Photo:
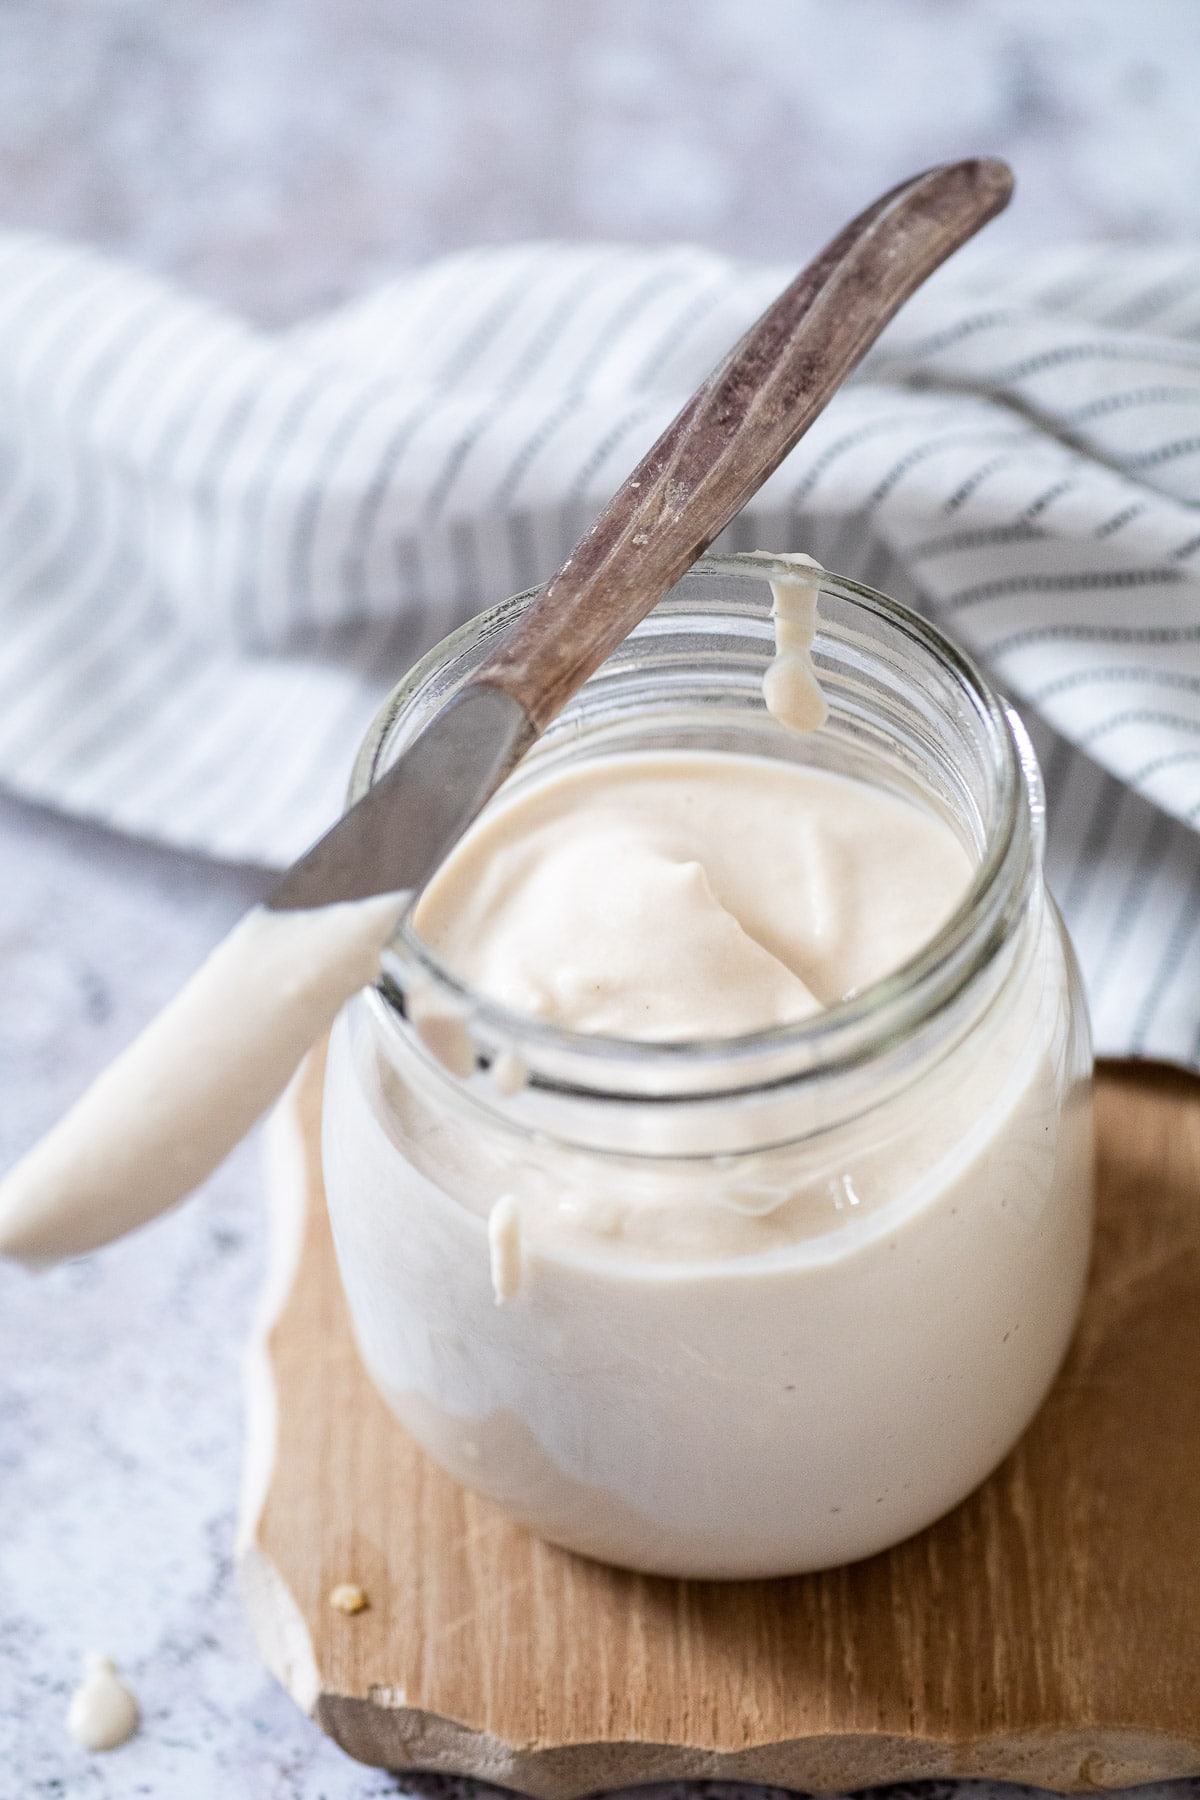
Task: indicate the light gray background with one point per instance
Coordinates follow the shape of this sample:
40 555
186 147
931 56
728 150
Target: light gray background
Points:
278 155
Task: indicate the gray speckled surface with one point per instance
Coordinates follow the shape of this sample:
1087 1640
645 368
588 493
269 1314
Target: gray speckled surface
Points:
277 154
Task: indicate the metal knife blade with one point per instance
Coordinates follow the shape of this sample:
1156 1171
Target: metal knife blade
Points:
393 839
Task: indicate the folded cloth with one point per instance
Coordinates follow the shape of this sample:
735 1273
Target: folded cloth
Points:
219 547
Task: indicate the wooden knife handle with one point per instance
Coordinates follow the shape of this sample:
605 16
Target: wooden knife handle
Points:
738 428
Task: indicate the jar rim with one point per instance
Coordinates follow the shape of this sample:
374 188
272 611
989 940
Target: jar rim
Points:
850 1032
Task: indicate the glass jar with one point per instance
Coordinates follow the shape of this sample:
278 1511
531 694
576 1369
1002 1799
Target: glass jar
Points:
825 1273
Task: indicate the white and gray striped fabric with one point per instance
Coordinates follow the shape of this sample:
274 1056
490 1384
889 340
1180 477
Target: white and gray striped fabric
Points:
218 548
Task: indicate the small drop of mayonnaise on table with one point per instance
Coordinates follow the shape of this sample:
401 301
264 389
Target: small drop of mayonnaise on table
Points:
103 1713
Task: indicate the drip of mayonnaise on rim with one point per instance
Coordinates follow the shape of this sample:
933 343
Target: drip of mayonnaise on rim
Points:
790 686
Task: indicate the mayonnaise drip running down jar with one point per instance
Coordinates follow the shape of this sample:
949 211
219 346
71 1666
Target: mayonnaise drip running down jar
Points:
711 1176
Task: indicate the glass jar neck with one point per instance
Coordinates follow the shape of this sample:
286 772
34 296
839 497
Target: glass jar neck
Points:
907 712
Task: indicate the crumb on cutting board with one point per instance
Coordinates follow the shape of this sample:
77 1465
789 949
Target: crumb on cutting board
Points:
348 1597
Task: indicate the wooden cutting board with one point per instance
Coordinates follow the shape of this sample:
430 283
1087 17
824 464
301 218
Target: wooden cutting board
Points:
1048 1631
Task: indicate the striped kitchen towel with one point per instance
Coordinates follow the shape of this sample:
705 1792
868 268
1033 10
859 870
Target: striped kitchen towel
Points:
219 547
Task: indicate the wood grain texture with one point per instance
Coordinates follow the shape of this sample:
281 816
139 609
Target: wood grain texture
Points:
738 427
1047 1631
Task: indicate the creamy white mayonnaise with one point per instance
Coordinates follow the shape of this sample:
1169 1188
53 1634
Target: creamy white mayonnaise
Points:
175 1102
762 1361
103 1714
690 895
